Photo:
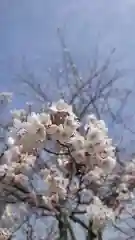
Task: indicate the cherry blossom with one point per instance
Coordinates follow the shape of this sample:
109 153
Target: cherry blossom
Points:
80 162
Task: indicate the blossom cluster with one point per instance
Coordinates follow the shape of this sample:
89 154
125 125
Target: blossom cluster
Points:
84 160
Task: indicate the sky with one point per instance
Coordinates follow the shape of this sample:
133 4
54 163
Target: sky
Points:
28 30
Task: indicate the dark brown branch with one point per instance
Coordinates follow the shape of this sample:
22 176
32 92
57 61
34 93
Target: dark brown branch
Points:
56 153
77 220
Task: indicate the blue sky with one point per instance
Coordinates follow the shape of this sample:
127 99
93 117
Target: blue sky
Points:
28 30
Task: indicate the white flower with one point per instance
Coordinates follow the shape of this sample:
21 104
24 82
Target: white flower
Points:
77 142
109 164
34 119
99 213
60 132
28 134
79 156
17 114
30 128
17 123
130 168
56 186
92 149
70 121
91 119
101 125
61 106
68 130
51 130
125 178
122 188
47 201
94 136
10 141
45 119
4 234
30 141
12 154
91 122
7 96
94 175
3 169
124 196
